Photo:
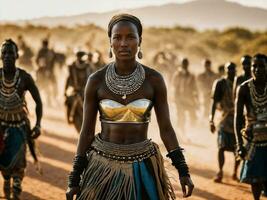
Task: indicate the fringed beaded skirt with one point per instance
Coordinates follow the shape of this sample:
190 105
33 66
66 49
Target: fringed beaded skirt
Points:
125 172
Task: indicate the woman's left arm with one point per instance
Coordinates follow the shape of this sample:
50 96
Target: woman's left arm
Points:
168 135
161 107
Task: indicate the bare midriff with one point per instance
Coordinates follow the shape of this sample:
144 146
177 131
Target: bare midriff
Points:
124 133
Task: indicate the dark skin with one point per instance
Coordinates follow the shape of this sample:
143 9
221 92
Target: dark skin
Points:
77 80
207 66
125 41
231 72
246 74
247 69
44 46
185 64
9 56
231 76
81 75
243 100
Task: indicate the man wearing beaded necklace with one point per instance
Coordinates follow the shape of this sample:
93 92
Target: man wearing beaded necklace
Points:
14 123
252 95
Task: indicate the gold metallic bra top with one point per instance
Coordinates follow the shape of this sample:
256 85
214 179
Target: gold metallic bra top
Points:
137 111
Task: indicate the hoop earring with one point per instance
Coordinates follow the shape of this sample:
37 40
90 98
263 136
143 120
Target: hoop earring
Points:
140 54
110 54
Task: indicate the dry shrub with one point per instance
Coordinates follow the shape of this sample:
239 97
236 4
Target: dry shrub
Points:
240 33
220 46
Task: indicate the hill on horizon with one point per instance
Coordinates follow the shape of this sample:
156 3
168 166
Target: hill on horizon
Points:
199 14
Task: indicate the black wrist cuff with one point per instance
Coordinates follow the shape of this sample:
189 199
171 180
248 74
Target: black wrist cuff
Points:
178 161
38 126
79 164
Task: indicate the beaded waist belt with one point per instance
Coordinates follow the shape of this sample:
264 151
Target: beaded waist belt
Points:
14 124
259 137
262 125
260 132
124 152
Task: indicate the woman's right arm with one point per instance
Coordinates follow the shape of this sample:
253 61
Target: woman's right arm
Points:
86 136
89 116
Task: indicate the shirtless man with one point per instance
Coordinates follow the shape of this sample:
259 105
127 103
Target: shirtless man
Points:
14 123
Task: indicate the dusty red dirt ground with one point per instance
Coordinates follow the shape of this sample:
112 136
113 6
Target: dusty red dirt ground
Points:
58 144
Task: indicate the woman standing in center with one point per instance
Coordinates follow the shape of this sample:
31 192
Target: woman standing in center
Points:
120 162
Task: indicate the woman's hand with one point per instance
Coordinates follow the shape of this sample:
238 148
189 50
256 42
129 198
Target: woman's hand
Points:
186 181
71 192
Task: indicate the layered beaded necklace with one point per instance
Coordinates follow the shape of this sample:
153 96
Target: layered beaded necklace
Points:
11 104
124 85
8 88
259 101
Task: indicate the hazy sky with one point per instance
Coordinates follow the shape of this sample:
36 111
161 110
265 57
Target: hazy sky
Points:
27 9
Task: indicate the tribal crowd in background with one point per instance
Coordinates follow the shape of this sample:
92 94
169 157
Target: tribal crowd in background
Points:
242 101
